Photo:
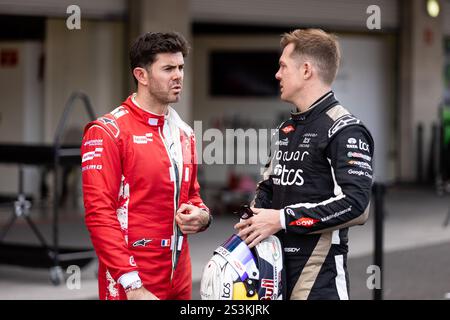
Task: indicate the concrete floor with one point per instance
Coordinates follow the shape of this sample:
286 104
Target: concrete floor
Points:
417 252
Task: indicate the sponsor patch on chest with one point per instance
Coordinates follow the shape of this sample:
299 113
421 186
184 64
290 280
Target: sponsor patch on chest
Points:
288 129
148 137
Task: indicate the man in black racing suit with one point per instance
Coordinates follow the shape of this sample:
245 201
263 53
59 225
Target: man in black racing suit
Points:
318 181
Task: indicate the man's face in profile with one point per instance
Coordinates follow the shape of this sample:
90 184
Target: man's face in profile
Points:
289 74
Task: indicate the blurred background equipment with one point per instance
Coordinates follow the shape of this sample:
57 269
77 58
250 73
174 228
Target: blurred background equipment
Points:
56 157
443 155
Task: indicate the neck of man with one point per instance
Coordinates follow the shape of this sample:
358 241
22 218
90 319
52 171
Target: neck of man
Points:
149 103
310 94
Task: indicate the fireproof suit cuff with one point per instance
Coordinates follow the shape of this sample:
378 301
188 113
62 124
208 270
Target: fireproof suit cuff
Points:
128 278
282 219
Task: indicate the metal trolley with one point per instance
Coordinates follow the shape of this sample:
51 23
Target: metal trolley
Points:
44 256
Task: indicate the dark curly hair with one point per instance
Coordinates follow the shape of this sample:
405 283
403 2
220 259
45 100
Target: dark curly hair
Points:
148 45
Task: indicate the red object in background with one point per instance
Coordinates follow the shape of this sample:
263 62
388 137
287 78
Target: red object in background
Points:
246 184
9 57
233 180
428 36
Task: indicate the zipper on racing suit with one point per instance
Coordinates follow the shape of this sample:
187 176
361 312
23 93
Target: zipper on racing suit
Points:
177 237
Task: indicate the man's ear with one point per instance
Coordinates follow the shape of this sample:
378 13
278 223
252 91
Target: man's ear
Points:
307 70
141 75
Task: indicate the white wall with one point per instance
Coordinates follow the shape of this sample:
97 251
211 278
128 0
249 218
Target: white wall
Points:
365 85
21 109
90 60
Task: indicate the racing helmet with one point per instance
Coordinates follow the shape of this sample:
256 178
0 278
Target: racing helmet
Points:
236 272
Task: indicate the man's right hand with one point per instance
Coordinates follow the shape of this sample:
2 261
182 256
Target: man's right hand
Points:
141 294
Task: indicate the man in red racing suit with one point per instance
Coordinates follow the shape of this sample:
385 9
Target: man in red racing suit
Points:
140 190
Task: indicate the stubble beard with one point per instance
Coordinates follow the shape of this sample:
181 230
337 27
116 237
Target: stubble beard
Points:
163 97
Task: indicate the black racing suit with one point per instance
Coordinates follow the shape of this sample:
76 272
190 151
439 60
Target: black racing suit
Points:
320 177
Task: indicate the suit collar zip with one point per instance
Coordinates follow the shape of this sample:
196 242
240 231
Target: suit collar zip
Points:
149 118
321 104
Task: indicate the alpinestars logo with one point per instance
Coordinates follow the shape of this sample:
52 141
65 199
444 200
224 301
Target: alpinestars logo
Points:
112 125
304 222
342 122
141 242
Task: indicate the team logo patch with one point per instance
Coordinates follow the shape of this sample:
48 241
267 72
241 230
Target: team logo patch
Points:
95 142
361 164
290 212
352 143
282 142
304 222
268 285
288 129
143 139
92 167
141 242
97 153
359 155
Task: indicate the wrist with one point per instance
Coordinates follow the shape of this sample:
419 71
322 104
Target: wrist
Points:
135 285
207 219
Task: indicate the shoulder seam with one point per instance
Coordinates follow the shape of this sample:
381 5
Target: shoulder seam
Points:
101 127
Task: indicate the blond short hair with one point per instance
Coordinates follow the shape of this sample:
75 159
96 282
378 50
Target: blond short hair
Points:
318 45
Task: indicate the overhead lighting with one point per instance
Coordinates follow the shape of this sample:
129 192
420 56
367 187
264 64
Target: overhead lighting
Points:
433 8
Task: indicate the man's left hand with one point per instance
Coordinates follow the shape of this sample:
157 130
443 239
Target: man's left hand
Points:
191 219
264 223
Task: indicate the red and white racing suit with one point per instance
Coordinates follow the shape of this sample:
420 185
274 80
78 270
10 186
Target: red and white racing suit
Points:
137 169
